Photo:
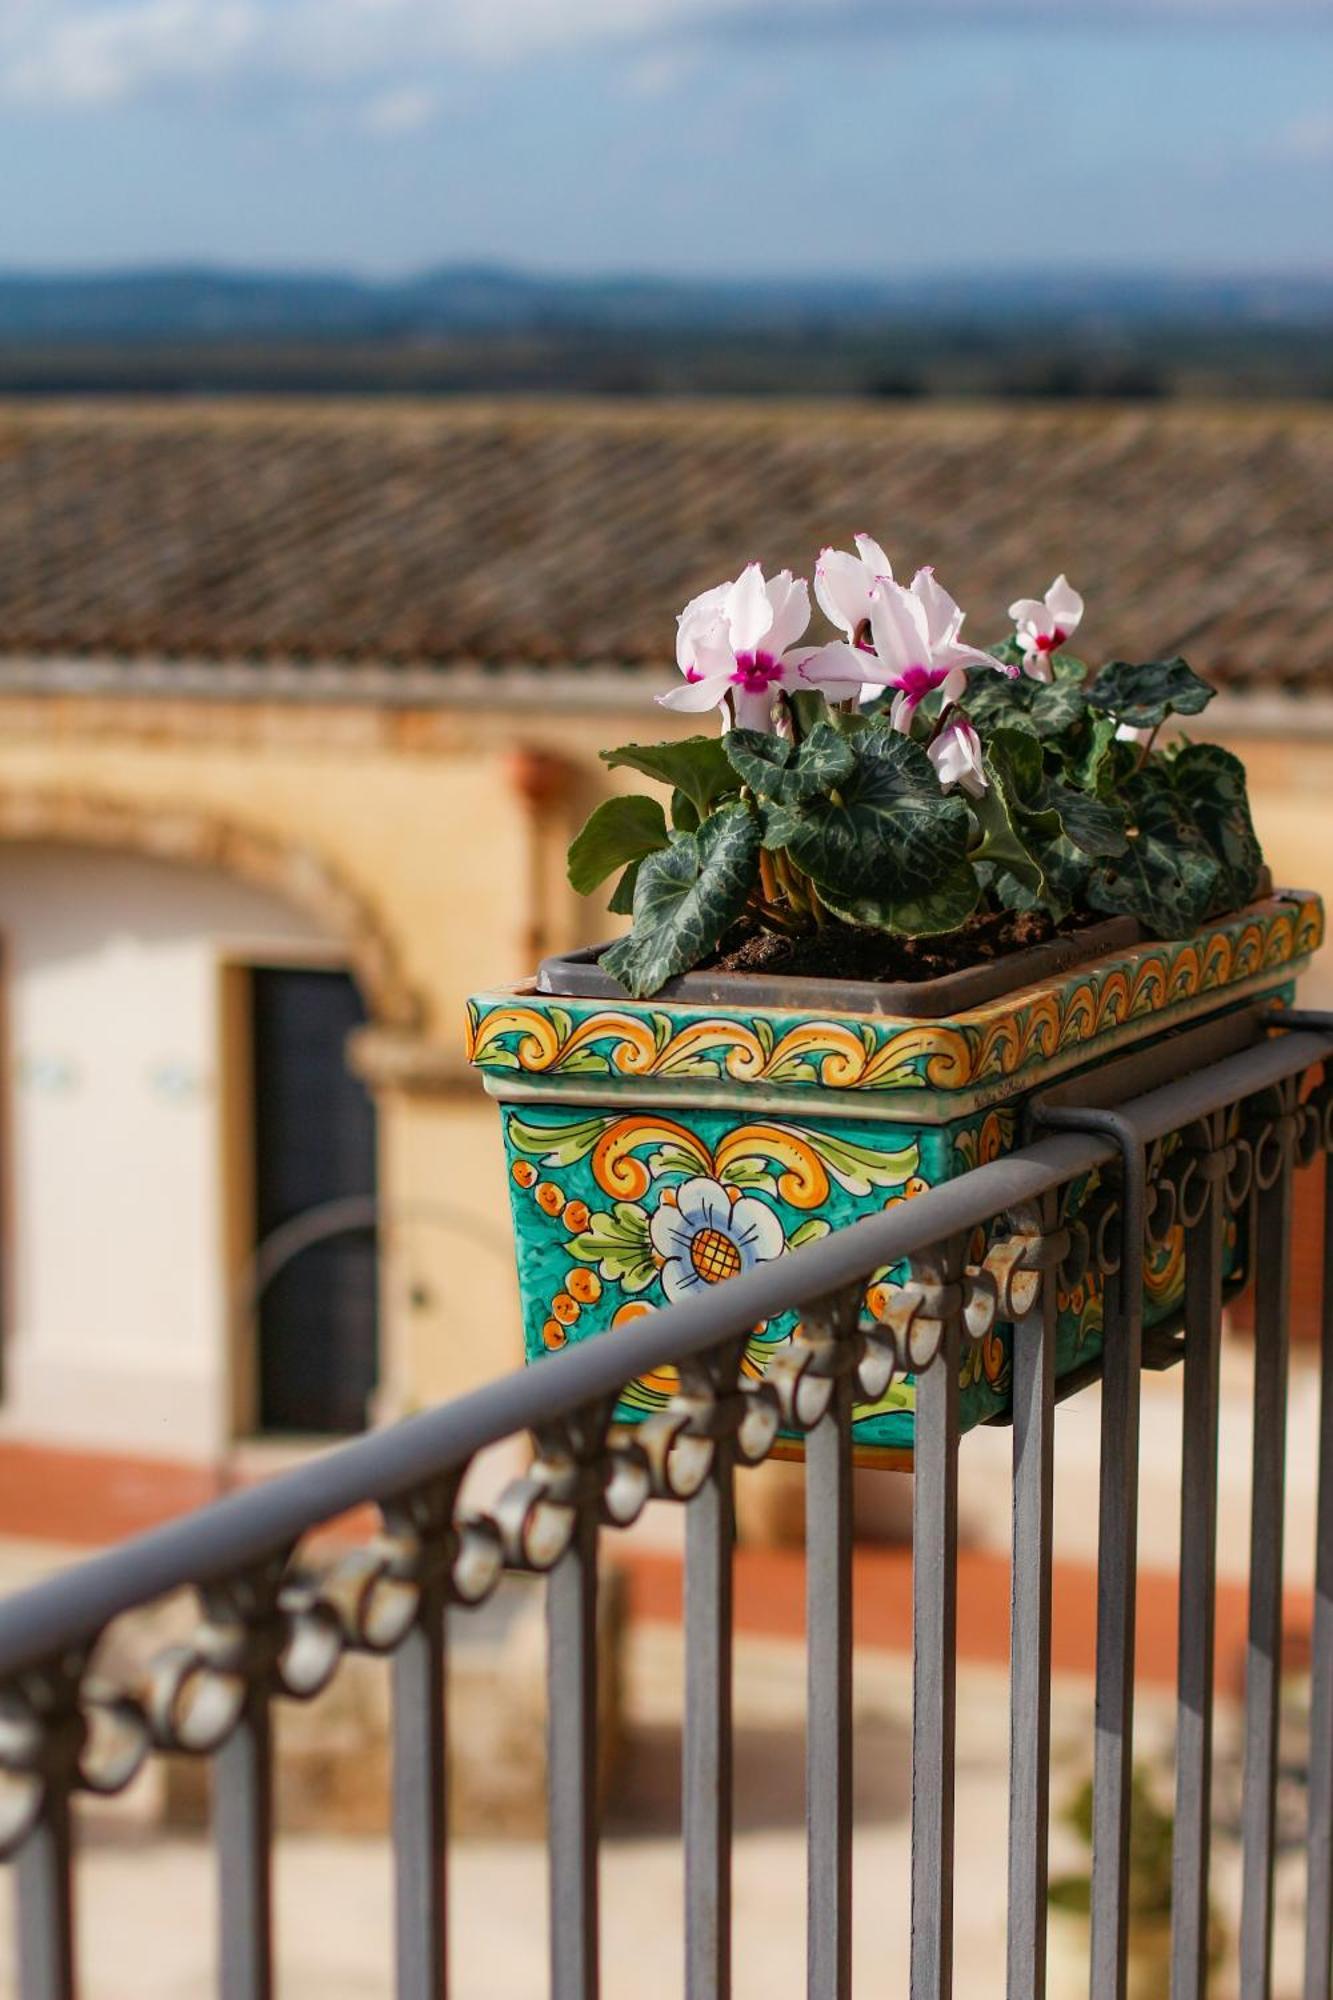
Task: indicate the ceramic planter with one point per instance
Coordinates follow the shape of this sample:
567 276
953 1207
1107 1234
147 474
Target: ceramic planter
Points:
658 1146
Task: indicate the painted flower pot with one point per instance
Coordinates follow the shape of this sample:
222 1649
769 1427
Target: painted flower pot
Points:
658 1147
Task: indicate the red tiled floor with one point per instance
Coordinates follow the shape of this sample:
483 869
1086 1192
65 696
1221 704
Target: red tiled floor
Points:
770 1601
90 1498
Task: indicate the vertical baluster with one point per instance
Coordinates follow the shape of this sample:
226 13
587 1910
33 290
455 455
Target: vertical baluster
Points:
828 1738
1263 1652
420 1800
1030 1631
707 1753
1198 1575
45 1913
243 1833
1319 1835
571 1738
1117 1562
934 1658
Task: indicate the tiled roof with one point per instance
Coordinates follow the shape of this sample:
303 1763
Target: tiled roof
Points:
570 533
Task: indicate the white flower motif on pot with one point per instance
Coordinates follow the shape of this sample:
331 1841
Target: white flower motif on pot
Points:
706 1232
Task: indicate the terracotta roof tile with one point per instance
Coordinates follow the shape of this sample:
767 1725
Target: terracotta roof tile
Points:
570 533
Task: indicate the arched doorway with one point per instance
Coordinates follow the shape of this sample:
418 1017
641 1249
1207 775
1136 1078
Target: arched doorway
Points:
157 1000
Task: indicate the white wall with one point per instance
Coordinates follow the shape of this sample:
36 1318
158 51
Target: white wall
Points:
116 1316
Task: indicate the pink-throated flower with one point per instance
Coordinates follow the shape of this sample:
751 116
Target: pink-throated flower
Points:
915 645
956 755
1044 624
736 644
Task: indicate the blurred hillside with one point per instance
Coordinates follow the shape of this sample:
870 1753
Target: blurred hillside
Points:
490 328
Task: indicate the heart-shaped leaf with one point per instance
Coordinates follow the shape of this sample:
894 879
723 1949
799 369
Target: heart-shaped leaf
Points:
1015 822
886 831
943 908
1143 696
619 831
687 896
1167 877
1097 826
1047 707
621 903
787 772
1210 783
696 766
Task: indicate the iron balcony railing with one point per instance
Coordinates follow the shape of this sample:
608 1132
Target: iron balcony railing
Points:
1224 1141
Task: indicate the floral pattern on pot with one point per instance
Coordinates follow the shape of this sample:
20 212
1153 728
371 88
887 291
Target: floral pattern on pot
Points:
619 1215
1038 1031
703 1232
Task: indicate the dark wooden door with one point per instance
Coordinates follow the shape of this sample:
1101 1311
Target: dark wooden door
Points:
314 1142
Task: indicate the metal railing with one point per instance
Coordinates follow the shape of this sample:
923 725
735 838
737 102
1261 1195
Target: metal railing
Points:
1221 1143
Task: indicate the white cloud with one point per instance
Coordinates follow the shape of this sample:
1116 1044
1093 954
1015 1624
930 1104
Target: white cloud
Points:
393 113
1307 140
80 52
107 54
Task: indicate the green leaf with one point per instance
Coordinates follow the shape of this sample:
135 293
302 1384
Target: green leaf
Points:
1167 877
686 897
1097 826
1064 667
787 772
929 913
1143 696
1047 707
887 831
684 812
697 766
622 896
1068 871
1015 813
809 708
1093 758
619 831
1210 783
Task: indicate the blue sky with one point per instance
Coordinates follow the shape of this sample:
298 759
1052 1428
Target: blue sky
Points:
728 136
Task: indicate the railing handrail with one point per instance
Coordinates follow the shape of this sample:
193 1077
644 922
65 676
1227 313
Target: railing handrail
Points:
239 1530
226 1535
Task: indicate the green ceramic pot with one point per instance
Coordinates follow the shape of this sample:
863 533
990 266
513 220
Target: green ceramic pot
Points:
656 1147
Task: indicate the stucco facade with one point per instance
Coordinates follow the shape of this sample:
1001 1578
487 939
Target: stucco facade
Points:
422 849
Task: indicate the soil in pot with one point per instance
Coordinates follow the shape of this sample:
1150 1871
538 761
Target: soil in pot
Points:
849 951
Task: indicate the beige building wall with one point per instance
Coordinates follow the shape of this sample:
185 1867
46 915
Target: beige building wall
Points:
429 844
118 1274
429 849
1291 796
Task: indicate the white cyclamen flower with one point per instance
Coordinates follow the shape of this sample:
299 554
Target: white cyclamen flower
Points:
843 584
1044 624
915 645
956 755
736 644
708 1233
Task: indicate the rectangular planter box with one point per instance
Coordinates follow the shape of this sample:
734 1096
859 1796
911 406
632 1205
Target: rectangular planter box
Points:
657 1146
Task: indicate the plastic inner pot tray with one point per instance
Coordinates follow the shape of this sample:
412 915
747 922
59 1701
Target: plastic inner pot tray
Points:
577 975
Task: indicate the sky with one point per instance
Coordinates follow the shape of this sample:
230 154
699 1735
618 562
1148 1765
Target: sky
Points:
727 137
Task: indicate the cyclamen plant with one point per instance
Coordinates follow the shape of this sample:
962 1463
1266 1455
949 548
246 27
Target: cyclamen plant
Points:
900 779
